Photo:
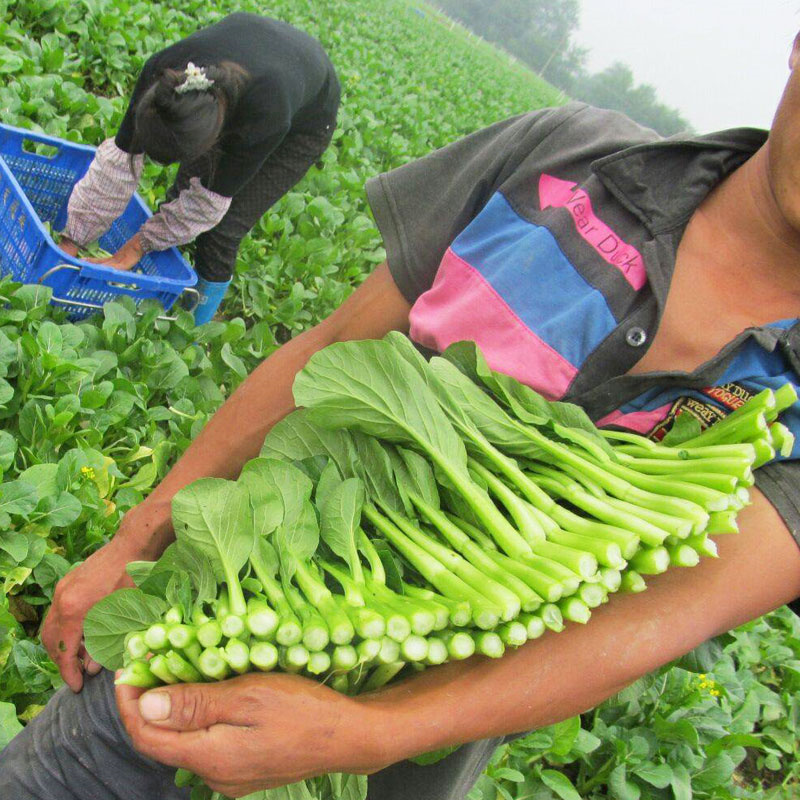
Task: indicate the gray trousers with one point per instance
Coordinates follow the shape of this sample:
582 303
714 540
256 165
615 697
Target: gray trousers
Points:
77 749
214 252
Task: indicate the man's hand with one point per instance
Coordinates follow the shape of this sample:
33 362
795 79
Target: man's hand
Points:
125 258
253 732
144 534
62 632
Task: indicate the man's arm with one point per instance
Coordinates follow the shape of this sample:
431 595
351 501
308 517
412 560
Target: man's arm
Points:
236 432
545 681
233 436
558 676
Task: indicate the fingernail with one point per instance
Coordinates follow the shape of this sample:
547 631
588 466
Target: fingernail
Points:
117 674
154 706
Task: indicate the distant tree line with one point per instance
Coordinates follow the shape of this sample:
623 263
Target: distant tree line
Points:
539 33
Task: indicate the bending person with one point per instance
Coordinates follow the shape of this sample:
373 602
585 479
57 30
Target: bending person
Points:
246 107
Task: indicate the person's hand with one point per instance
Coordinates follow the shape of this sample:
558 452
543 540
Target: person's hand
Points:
125 258
68 246
255 731
144 534
75 594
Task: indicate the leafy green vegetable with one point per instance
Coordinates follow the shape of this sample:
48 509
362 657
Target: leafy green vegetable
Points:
213 515
112 618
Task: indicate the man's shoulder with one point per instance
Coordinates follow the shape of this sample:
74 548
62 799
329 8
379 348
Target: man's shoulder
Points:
577 123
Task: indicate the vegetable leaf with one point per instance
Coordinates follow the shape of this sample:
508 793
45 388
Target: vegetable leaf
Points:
266 503
366 385
111 619
566 419
214 516
684 427
296 437
340 518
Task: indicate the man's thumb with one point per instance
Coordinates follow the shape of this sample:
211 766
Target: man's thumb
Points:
183 707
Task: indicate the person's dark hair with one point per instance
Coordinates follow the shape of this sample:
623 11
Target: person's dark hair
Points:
180 127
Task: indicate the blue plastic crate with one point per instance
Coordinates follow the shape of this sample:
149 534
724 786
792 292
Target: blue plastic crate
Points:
35 185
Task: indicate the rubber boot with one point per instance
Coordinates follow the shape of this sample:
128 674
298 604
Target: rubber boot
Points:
211 294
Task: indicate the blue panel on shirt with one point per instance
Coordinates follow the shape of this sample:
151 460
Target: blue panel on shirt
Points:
526 267
753 367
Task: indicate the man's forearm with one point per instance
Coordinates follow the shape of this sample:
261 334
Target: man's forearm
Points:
236 432
559 676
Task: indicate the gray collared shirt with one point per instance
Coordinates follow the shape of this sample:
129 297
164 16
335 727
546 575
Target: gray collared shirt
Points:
575 184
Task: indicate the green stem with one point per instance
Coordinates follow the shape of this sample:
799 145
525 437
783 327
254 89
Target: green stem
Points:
482 583
138 674
739 468
160 668
548 586
519 510
373 557
575 610
651 561
459 540
752 424
381 675
182 669
483 508
264 656
568 489
632 582
607 553
683 555
486 614
581 562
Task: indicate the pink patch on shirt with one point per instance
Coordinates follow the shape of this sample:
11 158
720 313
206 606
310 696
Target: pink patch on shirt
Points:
557 193
639 421
462 304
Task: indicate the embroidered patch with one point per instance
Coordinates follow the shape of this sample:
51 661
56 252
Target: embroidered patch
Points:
706 411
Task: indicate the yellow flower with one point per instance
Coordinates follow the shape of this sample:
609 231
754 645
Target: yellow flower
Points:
88 472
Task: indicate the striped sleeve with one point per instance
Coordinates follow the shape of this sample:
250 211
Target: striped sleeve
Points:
194 211
102 194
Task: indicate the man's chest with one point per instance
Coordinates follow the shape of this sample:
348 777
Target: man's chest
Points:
710 302
515 291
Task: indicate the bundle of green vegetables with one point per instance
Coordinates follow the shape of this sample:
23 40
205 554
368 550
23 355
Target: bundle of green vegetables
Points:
414 512
91 250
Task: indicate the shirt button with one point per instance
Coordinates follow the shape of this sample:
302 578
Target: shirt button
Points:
635 336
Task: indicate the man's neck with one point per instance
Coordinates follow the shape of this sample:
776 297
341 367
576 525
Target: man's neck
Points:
741 216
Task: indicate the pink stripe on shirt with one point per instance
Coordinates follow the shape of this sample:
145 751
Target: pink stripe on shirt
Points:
639 421
462 304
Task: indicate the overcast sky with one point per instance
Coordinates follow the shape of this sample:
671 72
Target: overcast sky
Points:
722 63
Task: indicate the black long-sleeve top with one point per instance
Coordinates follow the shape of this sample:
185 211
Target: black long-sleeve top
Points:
291 87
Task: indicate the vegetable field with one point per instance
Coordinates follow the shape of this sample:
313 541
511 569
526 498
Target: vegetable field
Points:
92 415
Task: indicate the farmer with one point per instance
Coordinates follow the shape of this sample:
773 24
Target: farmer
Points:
601 264
245 107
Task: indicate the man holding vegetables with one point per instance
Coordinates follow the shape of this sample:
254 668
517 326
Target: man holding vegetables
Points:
583 254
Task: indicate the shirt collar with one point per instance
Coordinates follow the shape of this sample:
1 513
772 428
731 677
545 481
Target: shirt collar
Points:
663 182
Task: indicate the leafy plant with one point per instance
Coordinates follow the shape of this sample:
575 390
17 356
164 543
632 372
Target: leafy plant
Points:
120 397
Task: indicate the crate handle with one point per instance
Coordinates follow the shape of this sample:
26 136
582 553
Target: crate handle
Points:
34 143
97 307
